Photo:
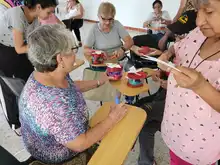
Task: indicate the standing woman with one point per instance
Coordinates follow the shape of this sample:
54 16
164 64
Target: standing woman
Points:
15 24
74 21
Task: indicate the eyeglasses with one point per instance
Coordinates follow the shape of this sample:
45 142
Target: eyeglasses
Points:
105 19
75 49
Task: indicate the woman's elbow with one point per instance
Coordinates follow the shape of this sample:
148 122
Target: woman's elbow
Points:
18 50
130 43
79 149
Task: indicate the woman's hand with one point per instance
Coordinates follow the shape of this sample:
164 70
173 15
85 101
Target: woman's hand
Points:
163 83
156 75
189 78
164 57
118 53
117 112
154 52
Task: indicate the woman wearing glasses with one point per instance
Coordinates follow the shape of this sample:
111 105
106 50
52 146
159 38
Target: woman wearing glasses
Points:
53 112
108 34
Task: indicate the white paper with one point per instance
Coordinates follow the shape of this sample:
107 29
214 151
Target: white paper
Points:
112 65
170 64
134 70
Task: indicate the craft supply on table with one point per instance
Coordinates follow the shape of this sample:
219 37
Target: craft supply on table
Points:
114 71
98 57
136 79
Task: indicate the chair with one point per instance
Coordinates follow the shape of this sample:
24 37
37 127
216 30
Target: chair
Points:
8 159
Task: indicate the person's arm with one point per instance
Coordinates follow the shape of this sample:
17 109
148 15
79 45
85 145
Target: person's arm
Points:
70 123
126 38
81 13
180 10
208 90
128 42
67 7
95 134
170 52
85 86
20 46
165 56
89 42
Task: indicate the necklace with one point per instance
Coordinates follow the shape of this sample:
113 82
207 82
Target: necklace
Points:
204 58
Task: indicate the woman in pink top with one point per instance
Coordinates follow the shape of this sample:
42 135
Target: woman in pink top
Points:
191 123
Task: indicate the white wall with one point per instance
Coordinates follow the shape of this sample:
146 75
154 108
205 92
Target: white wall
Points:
129 12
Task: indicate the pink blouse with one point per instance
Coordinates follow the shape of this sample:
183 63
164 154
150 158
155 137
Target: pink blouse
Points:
190 127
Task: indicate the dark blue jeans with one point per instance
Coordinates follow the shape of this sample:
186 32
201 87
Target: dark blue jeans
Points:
154 106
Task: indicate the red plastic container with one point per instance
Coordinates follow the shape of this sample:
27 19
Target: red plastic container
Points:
98 57
115 73
136 80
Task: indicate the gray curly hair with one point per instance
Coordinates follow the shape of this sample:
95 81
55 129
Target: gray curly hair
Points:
45 42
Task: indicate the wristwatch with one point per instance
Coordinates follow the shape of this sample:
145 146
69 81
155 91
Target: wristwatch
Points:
123 48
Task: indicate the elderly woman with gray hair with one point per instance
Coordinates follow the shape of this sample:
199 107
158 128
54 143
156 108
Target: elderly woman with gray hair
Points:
108 34
53 113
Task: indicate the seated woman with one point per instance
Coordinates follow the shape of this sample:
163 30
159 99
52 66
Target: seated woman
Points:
53 113
154 21
157 19
108 34
183 22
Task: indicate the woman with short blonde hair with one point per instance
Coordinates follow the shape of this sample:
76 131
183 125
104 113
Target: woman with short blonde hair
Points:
108 33
107 9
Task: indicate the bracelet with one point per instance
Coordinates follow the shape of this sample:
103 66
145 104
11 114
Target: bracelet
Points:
98 83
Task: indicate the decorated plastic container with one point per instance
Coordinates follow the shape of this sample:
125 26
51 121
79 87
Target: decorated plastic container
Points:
98 57
136 79
114 71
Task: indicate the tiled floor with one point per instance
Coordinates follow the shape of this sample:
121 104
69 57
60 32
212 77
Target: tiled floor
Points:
14 144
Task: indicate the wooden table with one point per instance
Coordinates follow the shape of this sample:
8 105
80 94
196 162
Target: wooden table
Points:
119 141
121 86
78 63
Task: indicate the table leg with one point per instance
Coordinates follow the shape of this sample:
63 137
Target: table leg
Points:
149 89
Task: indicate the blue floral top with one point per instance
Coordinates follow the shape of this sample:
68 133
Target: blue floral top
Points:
51 117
